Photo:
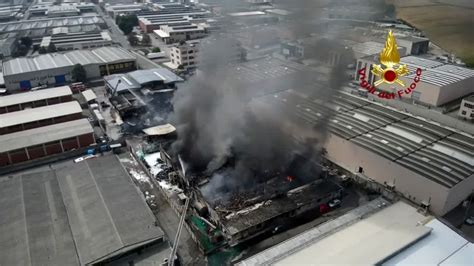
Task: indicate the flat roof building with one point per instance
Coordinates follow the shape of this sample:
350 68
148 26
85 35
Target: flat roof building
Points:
182 32
466 109
21 101
86 213
27 72
151 21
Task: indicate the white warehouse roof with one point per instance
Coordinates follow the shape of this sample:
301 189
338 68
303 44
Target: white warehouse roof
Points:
40 135
31 96
395 235
103 55
40 113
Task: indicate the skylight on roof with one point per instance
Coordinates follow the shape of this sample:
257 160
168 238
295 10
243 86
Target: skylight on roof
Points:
404 134
361 117
454 153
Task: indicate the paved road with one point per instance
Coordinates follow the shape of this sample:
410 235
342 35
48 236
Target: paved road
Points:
168 220
145 63
117 34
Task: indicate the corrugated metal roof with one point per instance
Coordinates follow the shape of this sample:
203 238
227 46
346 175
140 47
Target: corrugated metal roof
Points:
36 136
49 22
408 141
40 113
38 95
79 215
101 55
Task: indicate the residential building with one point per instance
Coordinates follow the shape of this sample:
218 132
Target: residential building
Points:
184 56
153 20
48 69
466 110
184 32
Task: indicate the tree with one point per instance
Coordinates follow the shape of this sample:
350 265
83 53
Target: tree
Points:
146 40
51 48
78 73
132 39
21 50
26 41
42 50
126 23
156 50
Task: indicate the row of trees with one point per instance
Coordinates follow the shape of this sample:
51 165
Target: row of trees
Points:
23 45
50 49
126 23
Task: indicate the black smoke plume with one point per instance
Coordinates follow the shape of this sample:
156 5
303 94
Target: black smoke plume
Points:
222 130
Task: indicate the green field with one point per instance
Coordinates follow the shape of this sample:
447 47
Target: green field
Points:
449 24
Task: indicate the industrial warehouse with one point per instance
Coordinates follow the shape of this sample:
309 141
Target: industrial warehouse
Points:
440 83
49 69
82 215
431 165
243 132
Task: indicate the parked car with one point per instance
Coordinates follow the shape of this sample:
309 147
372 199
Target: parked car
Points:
334 203
80 159
469 221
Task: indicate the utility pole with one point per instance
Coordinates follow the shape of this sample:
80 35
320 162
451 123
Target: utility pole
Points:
178 234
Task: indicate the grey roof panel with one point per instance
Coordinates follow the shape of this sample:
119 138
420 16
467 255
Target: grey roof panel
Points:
40 135
39 113
38 95
102 219
75 215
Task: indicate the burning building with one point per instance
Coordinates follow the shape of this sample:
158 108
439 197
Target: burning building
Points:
274 201
251 170
142 97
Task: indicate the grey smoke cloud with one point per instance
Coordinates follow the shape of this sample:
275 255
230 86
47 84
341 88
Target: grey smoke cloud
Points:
222 133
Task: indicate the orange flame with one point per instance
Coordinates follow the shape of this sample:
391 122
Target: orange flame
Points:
389 55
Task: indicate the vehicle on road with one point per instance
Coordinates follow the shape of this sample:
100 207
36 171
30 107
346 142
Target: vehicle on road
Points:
83 158
334 203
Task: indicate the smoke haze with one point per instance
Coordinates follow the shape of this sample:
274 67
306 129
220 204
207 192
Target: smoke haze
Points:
224 133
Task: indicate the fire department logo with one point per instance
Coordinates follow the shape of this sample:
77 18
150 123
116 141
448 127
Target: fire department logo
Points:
390 58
